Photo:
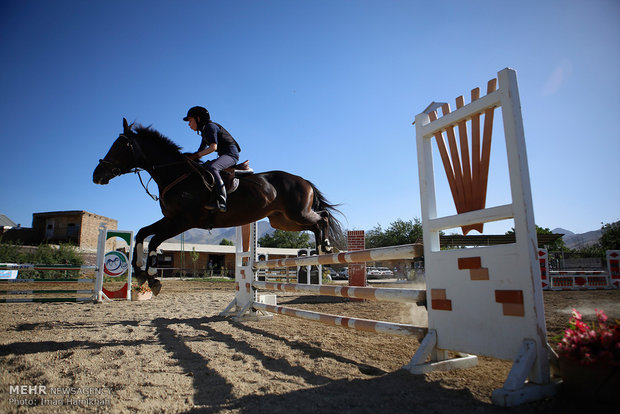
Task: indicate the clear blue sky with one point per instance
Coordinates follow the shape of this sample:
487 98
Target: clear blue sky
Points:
323 89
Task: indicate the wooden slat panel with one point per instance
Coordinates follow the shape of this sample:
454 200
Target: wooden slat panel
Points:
486 144
475 168
445 159
464 143
456 163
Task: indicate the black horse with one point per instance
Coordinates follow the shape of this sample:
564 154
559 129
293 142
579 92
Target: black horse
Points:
290 202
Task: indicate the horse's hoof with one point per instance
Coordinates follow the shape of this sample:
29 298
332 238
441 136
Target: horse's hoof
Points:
155 286
327 249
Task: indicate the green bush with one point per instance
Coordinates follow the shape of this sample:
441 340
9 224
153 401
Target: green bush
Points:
44 254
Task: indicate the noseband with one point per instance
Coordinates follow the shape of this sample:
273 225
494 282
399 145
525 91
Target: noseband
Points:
115 170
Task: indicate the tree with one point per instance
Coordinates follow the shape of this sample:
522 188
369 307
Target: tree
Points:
289 239
399 232
194 255
610 236
226 242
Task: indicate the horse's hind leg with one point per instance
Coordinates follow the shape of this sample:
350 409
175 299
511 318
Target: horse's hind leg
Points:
316 222
324 246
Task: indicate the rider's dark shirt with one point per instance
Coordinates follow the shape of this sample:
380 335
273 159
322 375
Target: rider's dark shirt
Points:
215 133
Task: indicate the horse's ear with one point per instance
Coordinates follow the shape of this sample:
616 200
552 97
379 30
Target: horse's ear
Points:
125 125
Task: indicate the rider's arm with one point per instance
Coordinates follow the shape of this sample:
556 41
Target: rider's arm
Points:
209 137
211 148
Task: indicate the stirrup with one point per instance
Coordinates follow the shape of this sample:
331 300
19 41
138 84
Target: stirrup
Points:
216 206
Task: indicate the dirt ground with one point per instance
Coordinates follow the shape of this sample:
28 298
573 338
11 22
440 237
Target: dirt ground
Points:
175 354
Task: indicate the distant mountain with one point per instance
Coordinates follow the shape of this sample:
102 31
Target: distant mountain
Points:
575 241
560 230
215 236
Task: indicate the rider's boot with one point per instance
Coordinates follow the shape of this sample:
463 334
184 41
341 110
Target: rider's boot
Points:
220 202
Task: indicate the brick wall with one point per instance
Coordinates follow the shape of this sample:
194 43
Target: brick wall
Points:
89 230
79 227
357 271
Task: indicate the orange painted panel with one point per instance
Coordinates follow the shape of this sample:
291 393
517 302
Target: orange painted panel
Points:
509 296
441 304
479 274
470 263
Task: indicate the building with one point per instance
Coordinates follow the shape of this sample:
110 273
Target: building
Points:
176 259
77 227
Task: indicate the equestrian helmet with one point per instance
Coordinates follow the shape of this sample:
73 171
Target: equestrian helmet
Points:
198 112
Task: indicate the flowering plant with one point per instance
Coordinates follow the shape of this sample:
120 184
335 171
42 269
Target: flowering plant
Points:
588 344
140 289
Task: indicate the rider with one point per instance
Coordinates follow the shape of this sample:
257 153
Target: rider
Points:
214 138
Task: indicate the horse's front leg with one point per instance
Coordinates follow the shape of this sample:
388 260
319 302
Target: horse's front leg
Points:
165 231
138 253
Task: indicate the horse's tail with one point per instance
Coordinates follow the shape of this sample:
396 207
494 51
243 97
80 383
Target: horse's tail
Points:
320 203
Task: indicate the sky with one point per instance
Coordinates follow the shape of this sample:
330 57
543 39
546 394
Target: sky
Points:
327 90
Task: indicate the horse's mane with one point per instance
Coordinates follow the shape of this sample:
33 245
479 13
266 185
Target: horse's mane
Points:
154 137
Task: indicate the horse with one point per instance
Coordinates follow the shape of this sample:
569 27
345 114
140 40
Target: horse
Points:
290 202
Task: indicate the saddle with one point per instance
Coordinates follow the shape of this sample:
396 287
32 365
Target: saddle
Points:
230 175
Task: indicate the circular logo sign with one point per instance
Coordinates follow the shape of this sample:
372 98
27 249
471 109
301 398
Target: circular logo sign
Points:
115 264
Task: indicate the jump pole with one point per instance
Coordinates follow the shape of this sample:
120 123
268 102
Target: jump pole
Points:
483 300
97 293
61 281
367 293
366 325
581 279
247 304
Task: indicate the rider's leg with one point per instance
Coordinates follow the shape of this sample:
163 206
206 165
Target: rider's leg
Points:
222 162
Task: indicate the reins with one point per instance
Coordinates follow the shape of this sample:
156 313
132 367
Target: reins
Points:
146 187
168 187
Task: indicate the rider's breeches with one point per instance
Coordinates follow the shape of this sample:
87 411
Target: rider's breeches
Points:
218 164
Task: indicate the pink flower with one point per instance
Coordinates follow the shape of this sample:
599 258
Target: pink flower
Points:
589 344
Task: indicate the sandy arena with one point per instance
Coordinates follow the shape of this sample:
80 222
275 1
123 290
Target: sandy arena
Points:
174 354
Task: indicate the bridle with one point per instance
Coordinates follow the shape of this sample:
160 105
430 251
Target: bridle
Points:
117 171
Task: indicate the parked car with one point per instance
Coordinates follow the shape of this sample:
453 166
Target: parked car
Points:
373 273
343 274
385 272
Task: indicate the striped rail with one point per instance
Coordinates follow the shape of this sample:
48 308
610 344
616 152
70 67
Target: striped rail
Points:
390 328
26 300
405 251
47 281
8 292
369 293
44 267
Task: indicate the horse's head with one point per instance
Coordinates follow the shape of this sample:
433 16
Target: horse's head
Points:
119 160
